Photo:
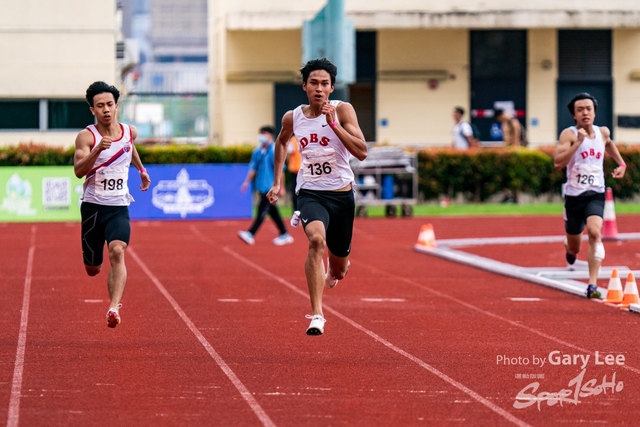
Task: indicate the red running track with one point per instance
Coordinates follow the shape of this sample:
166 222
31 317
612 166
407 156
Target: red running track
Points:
213 332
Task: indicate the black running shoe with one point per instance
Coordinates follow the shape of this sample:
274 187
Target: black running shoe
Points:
571 259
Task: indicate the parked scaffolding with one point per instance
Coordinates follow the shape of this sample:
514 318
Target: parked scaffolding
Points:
387 177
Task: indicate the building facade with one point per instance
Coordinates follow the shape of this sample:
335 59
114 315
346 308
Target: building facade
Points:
50 53
416 60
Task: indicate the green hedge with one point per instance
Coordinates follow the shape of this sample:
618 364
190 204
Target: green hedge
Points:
476 174
43 155
480 173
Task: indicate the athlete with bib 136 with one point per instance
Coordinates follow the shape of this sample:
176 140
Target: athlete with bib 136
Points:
104 153
581 150
328 134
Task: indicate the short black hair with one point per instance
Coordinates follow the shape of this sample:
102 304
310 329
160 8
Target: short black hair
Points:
319 64
583 95
460 110
97 88
497 113
268 129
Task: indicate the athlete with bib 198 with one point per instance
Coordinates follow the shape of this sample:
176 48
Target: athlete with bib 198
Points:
581 150
104 153
328 133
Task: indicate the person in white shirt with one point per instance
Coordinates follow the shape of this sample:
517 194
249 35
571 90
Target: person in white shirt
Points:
328 133
103 155
581 150
462 132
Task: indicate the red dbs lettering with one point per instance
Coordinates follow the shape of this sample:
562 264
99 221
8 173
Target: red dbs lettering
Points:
304 141
591 153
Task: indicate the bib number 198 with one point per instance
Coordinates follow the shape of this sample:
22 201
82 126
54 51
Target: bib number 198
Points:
112 184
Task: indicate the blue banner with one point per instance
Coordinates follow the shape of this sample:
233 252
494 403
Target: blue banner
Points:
191 191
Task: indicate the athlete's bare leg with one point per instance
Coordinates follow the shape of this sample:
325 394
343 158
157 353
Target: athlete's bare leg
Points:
594 227
118 273
313 268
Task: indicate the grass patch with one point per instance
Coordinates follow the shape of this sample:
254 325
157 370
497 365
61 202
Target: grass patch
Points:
484 209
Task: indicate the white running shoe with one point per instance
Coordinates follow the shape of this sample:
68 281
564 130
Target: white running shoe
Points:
247 237
295 219
316 327
283 239
113 316
330 282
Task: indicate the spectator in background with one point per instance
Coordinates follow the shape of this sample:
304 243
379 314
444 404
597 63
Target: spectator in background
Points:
462 131
511 128
511 135
261 174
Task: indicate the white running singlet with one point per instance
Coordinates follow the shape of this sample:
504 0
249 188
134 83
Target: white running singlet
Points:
106 183
325 159
585 170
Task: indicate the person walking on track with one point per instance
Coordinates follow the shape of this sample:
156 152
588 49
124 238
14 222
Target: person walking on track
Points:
328 134
103 155
581 150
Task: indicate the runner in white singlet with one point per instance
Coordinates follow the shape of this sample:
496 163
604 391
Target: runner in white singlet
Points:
328 134
581 149
104 153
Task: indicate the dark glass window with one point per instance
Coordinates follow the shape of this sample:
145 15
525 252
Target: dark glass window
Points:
20 114
584 54
499 54
67 114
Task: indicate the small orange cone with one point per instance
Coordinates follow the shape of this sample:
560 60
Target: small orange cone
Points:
609 227
427 238
614 290
630 292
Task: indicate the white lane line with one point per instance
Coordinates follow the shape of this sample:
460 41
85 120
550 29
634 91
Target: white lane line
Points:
490 314
524 299
383 299
244 392
498 410
16 387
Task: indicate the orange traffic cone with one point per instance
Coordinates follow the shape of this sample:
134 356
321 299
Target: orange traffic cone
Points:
614 290
630 292
609 227
427 238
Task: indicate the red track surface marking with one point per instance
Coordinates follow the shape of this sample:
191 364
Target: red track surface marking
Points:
16 387
383 341
244 392
495 316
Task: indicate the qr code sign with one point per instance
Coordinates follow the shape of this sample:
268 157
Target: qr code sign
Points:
56 192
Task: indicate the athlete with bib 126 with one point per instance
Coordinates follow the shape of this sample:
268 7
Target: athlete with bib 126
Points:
581 150
328 134
104 153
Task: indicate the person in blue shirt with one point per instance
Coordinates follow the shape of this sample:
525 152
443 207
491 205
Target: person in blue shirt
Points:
261 174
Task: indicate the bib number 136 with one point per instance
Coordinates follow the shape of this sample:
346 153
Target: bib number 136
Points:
317 169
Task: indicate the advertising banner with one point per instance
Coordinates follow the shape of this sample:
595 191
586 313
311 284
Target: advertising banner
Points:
39 193
189 191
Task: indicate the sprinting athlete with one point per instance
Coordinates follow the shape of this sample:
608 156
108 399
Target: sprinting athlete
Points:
328 134
104 153
581 150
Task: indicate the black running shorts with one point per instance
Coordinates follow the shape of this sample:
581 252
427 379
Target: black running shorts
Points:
336 210
578 208
102 224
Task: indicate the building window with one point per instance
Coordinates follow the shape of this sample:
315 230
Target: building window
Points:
20 114
66 114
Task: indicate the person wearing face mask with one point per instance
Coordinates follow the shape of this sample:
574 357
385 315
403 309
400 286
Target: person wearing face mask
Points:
261 174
